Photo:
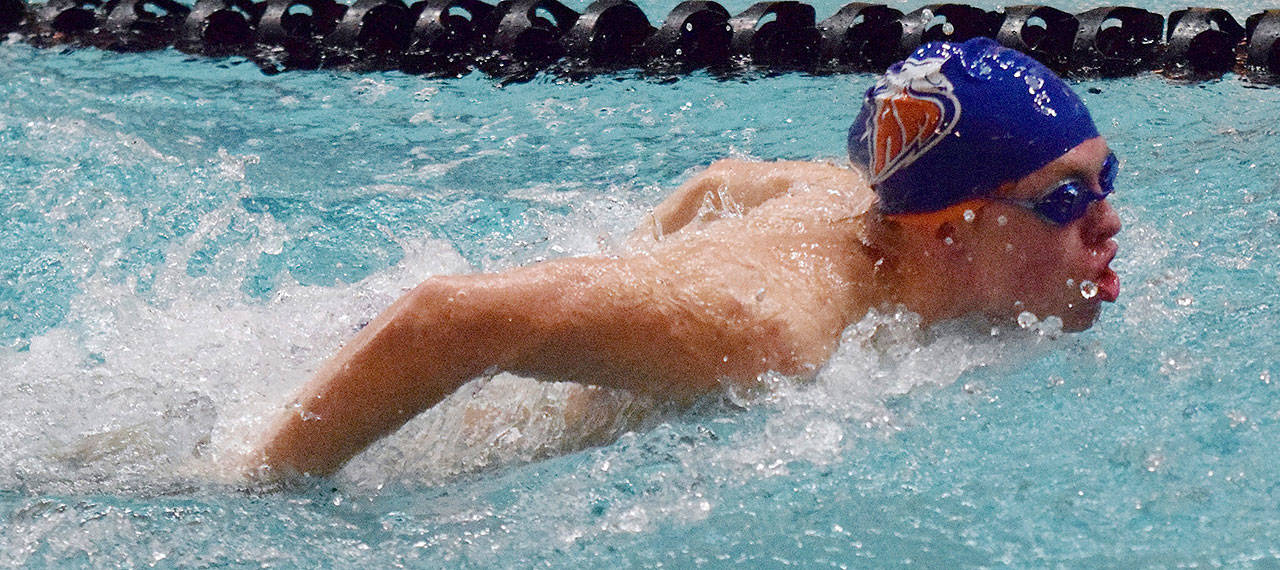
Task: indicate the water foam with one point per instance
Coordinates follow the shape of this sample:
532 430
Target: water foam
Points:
133 386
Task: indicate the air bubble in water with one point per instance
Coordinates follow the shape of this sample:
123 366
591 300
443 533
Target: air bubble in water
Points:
1088 289
1153 462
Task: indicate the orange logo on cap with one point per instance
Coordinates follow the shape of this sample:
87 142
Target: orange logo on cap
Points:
915 108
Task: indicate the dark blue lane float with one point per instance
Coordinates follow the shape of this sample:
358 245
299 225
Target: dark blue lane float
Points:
776 35
1263 46
13 14
217 28
447 37
608 36
516 39
1047 34
860 37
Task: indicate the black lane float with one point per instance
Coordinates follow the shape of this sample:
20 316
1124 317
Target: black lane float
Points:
516 39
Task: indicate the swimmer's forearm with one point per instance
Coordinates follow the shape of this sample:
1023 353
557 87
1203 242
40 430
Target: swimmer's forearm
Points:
421 349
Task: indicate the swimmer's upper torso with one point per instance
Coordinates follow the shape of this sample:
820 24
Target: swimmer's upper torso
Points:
766 286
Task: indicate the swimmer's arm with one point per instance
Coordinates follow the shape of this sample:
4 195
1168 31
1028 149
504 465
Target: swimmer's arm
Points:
412 355
736 186
591 320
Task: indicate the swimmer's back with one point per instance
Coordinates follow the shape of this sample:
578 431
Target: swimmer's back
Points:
791 266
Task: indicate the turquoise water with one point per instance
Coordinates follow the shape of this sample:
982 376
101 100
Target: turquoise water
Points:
187 239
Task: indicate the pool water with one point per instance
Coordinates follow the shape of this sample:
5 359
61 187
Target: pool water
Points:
186 240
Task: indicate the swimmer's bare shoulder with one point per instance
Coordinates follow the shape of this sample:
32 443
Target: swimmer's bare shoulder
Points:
736 185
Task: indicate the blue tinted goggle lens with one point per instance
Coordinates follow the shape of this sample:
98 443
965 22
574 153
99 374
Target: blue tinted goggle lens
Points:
1069 202
1107 177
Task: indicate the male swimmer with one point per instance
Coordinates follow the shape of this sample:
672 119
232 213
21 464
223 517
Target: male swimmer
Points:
979 187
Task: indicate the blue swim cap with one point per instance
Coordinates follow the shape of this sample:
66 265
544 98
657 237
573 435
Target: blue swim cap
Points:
955 121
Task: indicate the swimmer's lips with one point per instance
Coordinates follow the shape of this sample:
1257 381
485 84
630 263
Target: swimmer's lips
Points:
1109 286
1108 281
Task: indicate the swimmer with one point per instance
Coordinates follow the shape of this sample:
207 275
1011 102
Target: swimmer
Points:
978 187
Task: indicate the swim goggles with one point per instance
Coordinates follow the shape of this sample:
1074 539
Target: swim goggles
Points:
1071 199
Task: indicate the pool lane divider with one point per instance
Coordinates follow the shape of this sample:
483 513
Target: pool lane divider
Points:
515 39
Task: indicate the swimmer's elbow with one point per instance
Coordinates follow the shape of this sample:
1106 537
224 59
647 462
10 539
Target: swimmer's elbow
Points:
478 321
429 296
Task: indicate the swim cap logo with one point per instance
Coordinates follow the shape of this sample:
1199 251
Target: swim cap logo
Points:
915 108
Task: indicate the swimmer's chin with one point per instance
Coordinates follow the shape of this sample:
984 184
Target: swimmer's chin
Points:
1082 319
1079 318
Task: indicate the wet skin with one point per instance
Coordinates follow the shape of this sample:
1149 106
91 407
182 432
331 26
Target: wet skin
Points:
1031 264
766 280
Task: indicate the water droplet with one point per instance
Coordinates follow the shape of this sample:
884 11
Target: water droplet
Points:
947 240
969 216
1071 282
1002 220
1153 462
1088 289
1027 319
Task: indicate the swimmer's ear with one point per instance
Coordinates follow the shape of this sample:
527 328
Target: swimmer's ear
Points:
945 233
952 240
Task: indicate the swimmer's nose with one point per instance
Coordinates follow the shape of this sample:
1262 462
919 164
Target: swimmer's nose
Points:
1103 222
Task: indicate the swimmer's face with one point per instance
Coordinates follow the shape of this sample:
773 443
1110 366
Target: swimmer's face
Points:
1027 263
